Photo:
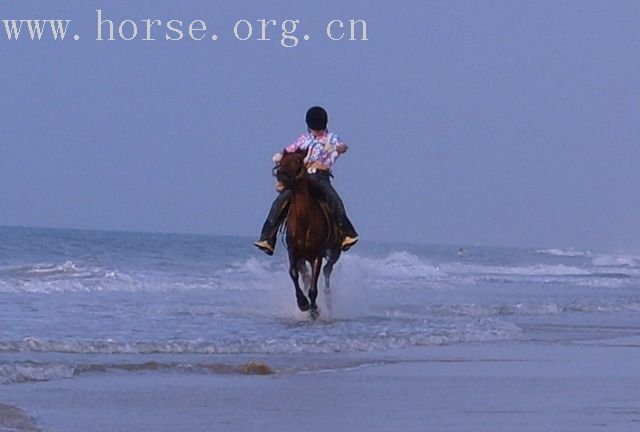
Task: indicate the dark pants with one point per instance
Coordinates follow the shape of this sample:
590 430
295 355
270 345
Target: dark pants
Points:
321 186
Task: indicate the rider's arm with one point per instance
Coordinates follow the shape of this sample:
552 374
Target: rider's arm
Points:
341 146
300 143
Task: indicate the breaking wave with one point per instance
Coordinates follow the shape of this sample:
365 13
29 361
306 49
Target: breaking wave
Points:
26 372
397 268
74 277
564 252
480 330
616 261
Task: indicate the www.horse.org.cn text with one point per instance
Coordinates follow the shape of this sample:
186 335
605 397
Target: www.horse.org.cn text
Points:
287 32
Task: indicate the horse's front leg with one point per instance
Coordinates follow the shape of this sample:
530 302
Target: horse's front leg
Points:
316 265
303 303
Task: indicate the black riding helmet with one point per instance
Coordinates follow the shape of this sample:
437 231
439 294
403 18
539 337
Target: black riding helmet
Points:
317 118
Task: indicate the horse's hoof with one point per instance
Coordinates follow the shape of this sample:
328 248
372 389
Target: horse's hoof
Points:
303 304
314 313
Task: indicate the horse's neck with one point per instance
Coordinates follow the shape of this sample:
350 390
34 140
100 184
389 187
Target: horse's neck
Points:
301 195
302 205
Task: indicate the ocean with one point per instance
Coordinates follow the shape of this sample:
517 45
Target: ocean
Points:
76 302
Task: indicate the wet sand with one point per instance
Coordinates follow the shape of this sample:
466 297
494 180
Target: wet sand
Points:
585 386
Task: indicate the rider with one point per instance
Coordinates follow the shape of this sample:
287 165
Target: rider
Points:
323 149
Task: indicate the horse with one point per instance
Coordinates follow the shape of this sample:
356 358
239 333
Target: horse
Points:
311 232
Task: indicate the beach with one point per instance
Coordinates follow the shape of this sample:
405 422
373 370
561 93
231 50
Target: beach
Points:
111 331
585 386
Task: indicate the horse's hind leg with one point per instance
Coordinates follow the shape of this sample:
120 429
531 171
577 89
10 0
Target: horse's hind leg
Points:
328 268
303 303
316 266
304 272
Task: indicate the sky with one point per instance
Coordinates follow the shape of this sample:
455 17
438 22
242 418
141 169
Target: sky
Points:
509 123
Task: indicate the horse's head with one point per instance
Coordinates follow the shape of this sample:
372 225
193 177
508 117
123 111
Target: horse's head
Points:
291 168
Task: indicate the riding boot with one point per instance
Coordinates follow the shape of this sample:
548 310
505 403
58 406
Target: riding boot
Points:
345 225
349 234
267 242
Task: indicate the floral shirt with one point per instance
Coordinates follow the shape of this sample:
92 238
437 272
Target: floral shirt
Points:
321 149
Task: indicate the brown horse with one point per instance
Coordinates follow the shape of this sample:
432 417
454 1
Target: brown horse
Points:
311 233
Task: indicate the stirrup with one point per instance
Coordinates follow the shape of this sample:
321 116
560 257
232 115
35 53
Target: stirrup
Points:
264 246
347 242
